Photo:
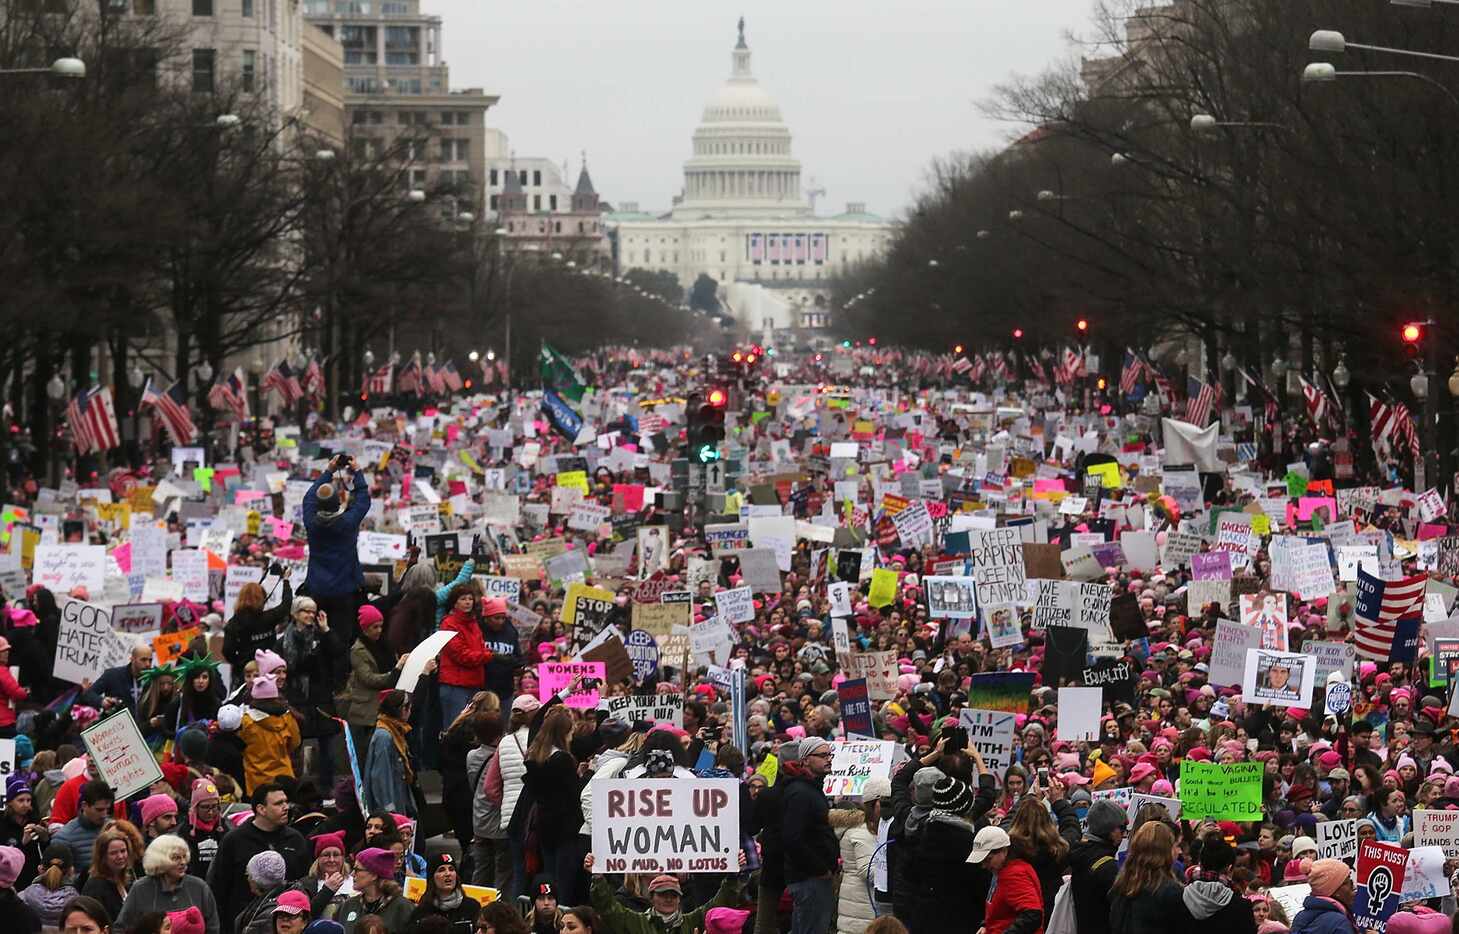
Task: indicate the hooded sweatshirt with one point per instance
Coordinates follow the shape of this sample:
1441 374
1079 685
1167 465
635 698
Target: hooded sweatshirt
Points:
270 736
1215 908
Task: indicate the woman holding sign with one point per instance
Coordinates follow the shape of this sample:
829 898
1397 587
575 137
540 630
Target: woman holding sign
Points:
553 788
1146 898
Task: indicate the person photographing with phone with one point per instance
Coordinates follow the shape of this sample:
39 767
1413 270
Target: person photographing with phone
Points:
252 627
332 518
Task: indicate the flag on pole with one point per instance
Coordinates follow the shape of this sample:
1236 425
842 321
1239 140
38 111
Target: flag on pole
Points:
409 378
1201 401
313 380
451 377
230 392
1319 406
1130 373
171 407
378 382
281 379
80 429
558 373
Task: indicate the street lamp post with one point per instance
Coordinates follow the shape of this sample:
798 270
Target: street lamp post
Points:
1326 73
136 378
61 68
55 392
1279 390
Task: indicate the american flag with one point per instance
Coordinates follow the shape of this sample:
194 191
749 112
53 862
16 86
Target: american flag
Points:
1130 374
171 406
435 379
651 423
1202 399
230 392
1073 363
312 381
451 377
409 378
1319 407
1036 366
281 378
378 382
1270 409
961 365
1000 367
1392 426
980 368
1383 607
93 421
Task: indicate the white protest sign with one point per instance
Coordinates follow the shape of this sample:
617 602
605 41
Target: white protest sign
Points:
735 606
380 548
190 569
666 825
61 568
1278 679
990 732
137 617
1337 839
86 645
1424 877
1079 710
1437 828
840 595
1228 652
149 550
1290 897
855 762
645 708
415 665
120 753
236 576
880 671
507 588
996 564
589 517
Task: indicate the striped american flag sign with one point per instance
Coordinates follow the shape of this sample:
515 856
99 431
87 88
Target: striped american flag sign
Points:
1381 605
171 407
1201 402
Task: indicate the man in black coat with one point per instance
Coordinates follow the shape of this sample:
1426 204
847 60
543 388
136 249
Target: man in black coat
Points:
809 843
506 648
122 685
267 830
1093 866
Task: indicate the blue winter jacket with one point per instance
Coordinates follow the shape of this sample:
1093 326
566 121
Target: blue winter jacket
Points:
1322 916
334 560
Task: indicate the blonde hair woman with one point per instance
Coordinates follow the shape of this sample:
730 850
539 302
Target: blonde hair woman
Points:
166 886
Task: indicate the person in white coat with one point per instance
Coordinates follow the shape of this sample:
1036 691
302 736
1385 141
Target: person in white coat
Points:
511 754
854 909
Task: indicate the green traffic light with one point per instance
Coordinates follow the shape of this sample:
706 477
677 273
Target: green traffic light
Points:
707 453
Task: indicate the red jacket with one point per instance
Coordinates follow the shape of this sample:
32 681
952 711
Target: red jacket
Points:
1016 889
463 660
9 691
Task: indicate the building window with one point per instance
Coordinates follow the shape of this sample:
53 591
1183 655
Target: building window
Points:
552 202
522 177
557 227
537 178
249 74
145 7
418 178
493 178
456 150
202 7
493 202
580 227
536 202
203 60
248 8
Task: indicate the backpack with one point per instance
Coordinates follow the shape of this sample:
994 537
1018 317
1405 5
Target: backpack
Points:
1062 919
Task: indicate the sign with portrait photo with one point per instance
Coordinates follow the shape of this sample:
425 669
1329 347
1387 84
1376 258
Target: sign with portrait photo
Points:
1278 679
950 597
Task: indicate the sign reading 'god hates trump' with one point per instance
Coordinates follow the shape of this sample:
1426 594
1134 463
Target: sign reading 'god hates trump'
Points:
670 825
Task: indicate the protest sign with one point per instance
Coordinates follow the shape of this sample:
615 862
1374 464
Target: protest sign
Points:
1200 594
724 540
507 588
585 609
1423 875
1139 799
62 568
86 644
1005 691
1228 653
137 617
643 652
711 641
170 646
1278 679
1115 679
1434 827
415 665
1290 897
996 565
120 754
1267 613
1091 608
1211 566
855 703
839 593
1331 656
1379 878
1337 839
735 606
666 825
990 732
950 597
1180 547
759 570
1230 791
1053 603
1079 710
880 671
554 676
645 708
855 762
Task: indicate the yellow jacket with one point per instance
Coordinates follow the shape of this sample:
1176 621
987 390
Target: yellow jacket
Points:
269 743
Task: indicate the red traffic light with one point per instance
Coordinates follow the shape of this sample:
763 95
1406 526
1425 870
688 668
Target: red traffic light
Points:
717 398
1082 324
1412 333
1018 333
871 341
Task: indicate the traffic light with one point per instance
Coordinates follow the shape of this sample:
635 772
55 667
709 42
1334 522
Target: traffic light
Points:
1082 325
957 348
1413 335
1018 334
706 424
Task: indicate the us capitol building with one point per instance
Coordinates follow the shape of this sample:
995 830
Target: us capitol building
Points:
744 219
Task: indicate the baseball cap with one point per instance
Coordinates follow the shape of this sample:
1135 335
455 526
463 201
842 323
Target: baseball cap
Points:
665 883
293 902
988 840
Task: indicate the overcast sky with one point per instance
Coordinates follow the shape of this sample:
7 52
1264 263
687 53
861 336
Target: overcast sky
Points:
871 90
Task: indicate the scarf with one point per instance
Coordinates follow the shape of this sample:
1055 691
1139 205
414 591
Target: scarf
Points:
397 730
450 902
950 817
670 922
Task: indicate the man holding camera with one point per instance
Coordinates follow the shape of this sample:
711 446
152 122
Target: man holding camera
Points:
332 518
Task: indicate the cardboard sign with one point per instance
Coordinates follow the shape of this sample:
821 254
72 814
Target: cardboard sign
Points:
880 671
1221 792
554 676
137 617
86 644
1338 839
854 763
1436 828
996 565
1278 679
991 733
645 708
120 753
586 608
1379 873
657 825
1079 710
735 606
169 646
